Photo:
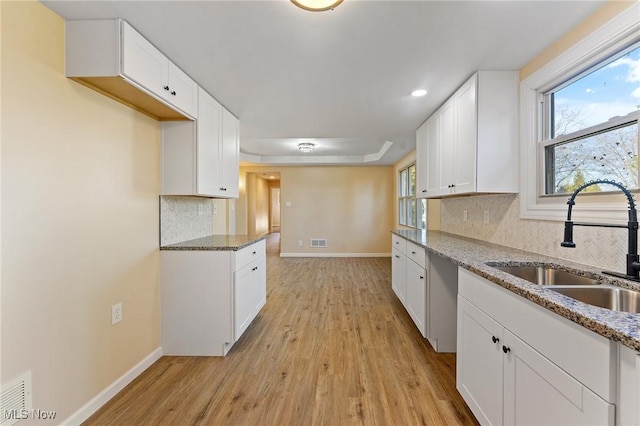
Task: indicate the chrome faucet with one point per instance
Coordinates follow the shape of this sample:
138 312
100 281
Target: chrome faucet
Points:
633 263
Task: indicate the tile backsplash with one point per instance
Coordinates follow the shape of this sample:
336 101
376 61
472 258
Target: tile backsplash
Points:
185 218
600 247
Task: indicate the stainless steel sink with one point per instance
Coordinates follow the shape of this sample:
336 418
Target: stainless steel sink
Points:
547 275
615 298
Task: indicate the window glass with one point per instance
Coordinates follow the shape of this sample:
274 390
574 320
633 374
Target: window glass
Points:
411 220
402 211
412 181
403 183
592 126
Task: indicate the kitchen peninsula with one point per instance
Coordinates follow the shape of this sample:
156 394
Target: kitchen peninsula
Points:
212 289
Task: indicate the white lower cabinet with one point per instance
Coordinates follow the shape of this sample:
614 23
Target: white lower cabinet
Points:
628 406
417 295
250 294
506 379
209 298
399 275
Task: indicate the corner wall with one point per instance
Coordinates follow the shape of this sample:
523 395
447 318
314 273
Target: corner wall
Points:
80 184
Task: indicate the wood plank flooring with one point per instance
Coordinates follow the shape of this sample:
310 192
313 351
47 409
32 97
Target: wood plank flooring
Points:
332 346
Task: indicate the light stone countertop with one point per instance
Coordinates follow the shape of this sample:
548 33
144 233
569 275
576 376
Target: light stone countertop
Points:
475 254
216 242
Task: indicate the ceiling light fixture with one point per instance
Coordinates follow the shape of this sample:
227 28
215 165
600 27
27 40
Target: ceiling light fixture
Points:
418 93
306 147
316 5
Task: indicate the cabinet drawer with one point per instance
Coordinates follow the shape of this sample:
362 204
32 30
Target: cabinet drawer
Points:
416 253
399 243
250 253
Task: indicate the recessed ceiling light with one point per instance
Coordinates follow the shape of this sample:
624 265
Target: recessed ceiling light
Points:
418 93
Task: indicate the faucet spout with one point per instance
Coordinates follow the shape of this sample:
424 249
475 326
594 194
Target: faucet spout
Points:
633 260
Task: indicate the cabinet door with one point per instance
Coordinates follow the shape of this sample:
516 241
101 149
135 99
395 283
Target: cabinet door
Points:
143 63
447 149
250 295
479 360
183 91
399 275
536 391
230 165
421 161
417 295
466 131
432 154
208 144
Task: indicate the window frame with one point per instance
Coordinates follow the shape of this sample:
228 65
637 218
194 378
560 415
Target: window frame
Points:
410 200
621 31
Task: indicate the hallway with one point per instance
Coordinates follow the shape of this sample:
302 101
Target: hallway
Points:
332 346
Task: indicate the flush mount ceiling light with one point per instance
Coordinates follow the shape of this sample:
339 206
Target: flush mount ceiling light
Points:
306 147
418 93
316 5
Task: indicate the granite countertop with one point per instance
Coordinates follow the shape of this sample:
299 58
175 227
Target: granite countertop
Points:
475 254
216 242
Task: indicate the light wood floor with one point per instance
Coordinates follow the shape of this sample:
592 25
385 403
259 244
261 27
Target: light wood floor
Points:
332 346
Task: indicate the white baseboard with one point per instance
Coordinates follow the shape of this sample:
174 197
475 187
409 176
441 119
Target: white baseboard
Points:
103 397
335 254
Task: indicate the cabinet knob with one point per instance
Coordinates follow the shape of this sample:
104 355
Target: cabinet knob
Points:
173 92
166 88
495 339
255 268
413 252
421 277
223 189
424 190
253 252
505 349
397 256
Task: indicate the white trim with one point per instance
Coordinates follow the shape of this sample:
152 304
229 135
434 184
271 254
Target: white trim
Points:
373 157
103 397
335 254
619 31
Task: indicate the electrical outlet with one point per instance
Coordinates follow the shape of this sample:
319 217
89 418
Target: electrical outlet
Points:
486 217
200 210
116 313
465 215
299 243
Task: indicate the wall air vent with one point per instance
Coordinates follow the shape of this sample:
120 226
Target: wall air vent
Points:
318 243
15 400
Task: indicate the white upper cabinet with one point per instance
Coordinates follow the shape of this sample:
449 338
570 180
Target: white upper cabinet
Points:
470 143
112 57
229 156
202 157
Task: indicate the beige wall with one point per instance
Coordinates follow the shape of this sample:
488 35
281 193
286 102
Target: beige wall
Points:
602 15
347 205
257 205
80 184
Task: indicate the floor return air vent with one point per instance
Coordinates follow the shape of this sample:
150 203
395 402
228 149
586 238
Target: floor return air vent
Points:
15 400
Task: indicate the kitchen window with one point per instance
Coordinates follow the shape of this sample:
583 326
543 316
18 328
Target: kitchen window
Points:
579 121
591 126
411 210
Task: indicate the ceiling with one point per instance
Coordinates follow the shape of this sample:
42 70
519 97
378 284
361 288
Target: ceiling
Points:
342 78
